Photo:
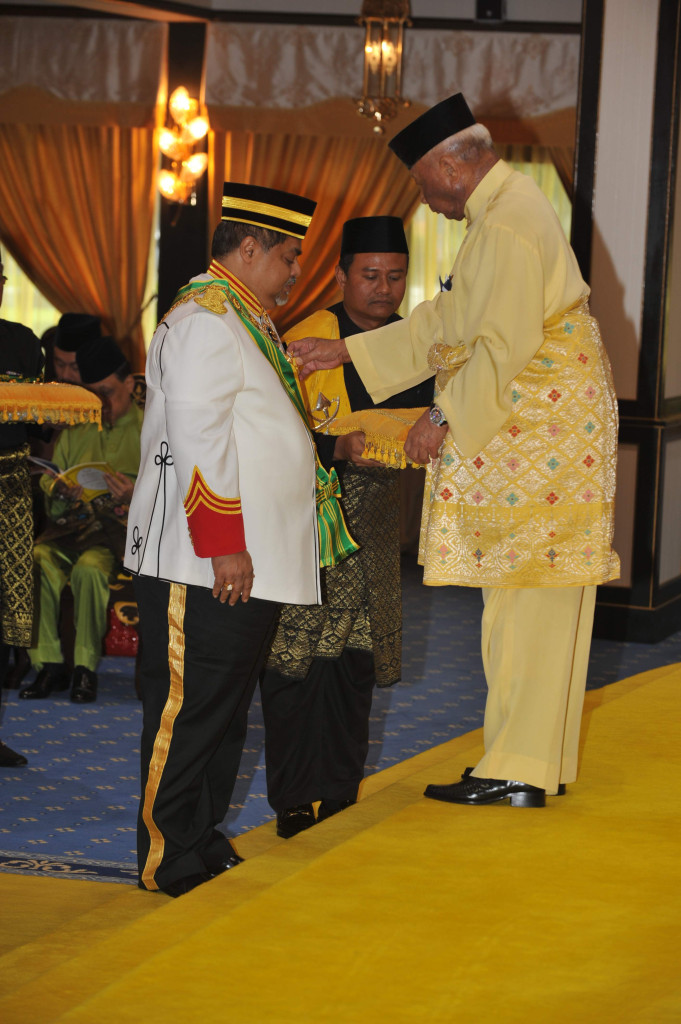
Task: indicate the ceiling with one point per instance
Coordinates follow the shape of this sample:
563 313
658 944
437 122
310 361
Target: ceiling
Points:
540 11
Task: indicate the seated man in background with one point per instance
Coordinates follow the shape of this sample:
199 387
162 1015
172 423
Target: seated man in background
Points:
59 344
73 330
85 538
318 684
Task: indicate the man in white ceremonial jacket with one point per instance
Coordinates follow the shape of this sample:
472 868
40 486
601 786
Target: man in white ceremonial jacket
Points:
223 526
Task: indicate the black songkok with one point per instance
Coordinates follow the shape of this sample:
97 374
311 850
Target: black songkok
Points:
74 329
99 358
373 234
430 129
267 208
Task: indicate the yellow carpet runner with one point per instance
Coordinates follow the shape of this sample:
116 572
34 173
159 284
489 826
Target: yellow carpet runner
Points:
399 909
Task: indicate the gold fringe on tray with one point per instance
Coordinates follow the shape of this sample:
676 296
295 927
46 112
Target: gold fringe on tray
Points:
48 403
385 431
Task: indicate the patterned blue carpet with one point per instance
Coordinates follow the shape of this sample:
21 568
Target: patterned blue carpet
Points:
72 810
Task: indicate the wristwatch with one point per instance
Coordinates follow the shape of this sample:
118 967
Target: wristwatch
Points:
437 417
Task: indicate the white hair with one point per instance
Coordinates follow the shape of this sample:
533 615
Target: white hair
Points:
469 145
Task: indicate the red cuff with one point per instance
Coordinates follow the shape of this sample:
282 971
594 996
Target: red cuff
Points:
216 525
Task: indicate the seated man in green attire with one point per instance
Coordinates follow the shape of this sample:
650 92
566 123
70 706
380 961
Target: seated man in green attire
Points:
85 538
318 684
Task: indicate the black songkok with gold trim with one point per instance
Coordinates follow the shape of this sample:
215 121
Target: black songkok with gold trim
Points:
430 129
267 208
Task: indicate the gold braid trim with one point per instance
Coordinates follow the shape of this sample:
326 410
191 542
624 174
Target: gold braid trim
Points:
176 609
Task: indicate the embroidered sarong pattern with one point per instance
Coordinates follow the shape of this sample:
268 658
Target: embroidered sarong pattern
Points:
534 508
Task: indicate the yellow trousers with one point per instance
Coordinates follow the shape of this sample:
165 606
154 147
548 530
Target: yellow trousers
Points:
535 651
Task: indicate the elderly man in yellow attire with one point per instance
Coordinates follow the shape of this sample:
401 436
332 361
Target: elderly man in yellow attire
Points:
521 441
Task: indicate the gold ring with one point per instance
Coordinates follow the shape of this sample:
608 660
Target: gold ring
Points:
226 586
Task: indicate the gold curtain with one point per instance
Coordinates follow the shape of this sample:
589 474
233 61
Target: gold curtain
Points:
76 210
347 177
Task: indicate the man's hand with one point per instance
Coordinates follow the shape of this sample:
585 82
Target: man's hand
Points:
120 487
233 577
349 447
312 354
67 492
424 440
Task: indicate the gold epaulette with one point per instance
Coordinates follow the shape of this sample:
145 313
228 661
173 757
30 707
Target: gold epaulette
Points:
212 297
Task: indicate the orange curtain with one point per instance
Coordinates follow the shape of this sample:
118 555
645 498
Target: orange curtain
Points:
76 210
347 177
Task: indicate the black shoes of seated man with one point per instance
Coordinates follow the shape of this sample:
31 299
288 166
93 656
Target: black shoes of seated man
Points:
9 758
83 685
54 677
473 791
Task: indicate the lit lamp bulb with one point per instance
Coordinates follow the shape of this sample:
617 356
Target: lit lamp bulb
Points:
389 56
193 168
180 104
171 145
373 52
197 128
169 185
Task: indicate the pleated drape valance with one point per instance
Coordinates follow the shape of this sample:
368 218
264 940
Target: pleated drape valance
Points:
81 71
301 79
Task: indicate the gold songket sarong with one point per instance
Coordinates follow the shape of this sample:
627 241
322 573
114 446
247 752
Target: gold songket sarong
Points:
16 548
362 599
535 507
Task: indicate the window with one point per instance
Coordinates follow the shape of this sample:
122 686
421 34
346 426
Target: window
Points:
434 241
22 302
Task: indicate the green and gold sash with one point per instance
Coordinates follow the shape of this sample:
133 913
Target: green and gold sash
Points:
335 542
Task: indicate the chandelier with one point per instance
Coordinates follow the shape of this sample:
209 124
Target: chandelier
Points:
178 182
385 21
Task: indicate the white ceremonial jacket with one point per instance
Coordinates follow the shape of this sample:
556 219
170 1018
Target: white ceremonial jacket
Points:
215 405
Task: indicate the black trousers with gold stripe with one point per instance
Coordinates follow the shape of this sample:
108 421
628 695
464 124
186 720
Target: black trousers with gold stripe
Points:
200 663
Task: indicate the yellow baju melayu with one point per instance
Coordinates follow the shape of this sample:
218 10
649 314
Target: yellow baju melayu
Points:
522 495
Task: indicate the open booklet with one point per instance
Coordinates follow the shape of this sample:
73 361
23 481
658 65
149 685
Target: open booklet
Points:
88 475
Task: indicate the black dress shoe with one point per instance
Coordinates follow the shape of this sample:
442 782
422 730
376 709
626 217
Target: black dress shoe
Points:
9 758
328 808
16 673
52 676
184 885
294 820
561 786
83 685
471 790
232 860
